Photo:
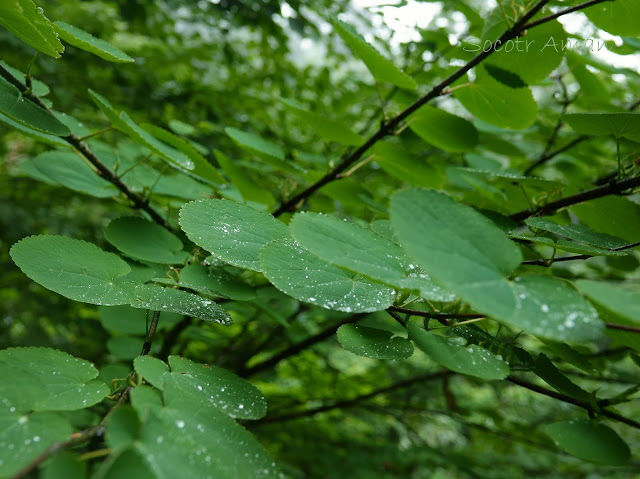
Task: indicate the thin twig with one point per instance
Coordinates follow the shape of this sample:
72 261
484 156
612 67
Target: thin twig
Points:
613 187
390 126
548 263
299 347
553 16
101 169
623 327
431 315
146 347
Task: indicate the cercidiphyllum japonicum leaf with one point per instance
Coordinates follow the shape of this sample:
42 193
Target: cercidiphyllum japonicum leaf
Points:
65 465
144 240
621 125
158 298
214 387
241 179
216 281
300 274
373 343
25 112
84 40
202 168
577 232
408 167
616 215
489 100
472 257
151 369
331 130
122 427
531 57
125 124
231 231
75 269
27 22
550 374
37 87
591 441
69 170
569 246
65 383
444 130
189 438
618 18
472 360
267 150
364 252
24 437
380 67
612 297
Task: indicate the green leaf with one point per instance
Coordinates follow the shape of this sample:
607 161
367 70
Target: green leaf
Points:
215 281
75 269
548 372
626 303
306 277
471 256
620 125
28 436
590 441
373 343
202 167
144 240
123 463
122 427
255 143
24 20
213 386
616 215
151 369
362 251
569 246
472 360
67 169
67 383
108 110
189 440
331 130
157 298
50 139
489 100
243 182
380 67
444 130
531 57
64 465
618 18
230 231
85 41
577 232
131 321
407 167
23 111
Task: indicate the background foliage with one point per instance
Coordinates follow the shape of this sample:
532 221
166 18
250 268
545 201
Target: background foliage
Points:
509 199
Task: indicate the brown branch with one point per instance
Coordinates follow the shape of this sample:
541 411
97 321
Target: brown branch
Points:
391 126
345 403
548 263
101 169
623 327
298 347
576 402
438 316
614 187
146 347
566 11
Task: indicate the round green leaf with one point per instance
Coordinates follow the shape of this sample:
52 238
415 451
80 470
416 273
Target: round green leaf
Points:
472 360
626 303
620 125
215 281
373 343
157 298
187 440
444 130
151 369
213 386
68 169
577 232
79 38
590 441
362 251
75 269
298 273
380 67
618 18
25 112
68 383
25 437
122 427
24 20
489 100
144 240
230 231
